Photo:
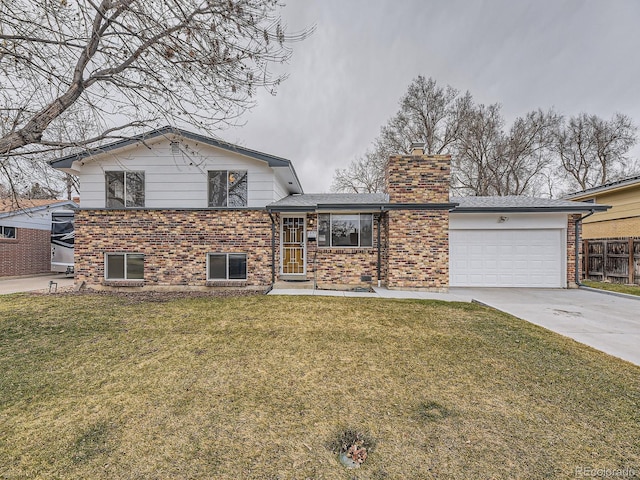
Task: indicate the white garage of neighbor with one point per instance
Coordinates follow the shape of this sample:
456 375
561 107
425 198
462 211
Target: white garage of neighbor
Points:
509 242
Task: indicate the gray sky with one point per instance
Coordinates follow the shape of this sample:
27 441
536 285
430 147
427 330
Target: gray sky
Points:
346 80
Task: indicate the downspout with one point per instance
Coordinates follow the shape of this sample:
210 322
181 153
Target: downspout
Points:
273 249
578 242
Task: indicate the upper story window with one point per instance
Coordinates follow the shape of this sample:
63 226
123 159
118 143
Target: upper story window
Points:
8 232
345 230
228 188
124 189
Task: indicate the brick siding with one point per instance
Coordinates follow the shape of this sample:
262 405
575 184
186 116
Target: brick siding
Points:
336 267
571 250
418 178
175 244
418 249
28 254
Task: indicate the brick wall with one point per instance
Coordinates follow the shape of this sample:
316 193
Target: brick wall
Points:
571 249
418 178
418 240
28 254
418 249
336 267
175 244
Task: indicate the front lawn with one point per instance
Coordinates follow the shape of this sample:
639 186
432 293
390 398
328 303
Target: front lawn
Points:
614 287
261 387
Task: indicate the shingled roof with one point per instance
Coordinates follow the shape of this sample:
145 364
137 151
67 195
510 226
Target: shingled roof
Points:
522 204
360 201
315 199
623 183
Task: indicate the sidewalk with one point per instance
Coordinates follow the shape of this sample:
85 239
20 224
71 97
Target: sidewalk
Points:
34 283
379 292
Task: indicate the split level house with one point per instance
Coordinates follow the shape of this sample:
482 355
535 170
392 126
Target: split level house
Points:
173 209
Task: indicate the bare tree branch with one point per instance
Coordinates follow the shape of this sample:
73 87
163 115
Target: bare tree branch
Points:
594 151
187 62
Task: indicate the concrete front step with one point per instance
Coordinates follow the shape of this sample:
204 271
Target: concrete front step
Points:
293 285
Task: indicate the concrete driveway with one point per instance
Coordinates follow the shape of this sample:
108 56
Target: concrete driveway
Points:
606 322
33 283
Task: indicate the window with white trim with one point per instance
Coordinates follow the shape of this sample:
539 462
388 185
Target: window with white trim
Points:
124 266
8 232
228 188
124 189
345 230
227 266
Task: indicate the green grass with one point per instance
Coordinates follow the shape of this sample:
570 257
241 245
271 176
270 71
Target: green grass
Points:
261 387
614 287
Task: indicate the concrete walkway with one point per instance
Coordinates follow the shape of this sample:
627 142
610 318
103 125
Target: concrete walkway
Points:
606 322
33 283
379 292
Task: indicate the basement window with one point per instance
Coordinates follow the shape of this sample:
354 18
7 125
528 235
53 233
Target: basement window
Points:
227 266
124 266
8 232
345 230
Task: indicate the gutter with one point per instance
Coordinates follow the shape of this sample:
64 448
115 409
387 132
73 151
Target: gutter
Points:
567 209
577 254
360 207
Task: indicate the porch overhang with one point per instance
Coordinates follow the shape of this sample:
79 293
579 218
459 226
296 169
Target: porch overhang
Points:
358 207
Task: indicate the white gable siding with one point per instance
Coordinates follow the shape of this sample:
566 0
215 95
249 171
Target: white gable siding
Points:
176 180
280 190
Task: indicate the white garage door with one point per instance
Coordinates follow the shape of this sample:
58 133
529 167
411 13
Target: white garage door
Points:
506 258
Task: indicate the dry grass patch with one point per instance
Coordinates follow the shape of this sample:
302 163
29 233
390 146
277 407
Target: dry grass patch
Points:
614 287
258 388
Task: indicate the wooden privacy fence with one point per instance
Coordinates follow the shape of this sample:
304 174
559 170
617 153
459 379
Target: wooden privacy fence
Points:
615 260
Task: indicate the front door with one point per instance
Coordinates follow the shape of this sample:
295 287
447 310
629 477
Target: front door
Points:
293 247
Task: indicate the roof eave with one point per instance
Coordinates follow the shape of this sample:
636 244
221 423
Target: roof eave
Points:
291 208
273 161
357 207
590 192
578 209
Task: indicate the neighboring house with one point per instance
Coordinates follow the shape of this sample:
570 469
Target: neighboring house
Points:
623 219
25 235
173 209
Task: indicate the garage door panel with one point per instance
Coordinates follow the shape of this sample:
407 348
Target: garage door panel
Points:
507 258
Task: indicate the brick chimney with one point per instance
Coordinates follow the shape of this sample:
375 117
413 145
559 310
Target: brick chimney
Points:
418 236
418 178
